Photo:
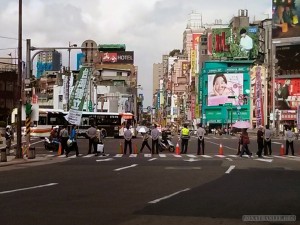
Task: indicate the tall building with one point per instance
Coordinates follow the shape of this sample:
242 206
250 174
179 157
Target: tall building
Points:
157 75
48 61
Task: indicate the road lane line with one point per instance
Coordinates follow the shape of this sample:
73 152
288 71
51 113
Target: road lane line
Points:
152 159
168 196
104 160
126 167
89 155
230 169
264 160
278 143
29 188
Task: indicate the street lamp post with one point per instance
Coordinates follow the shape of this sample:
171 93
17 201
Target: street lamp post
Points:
69 74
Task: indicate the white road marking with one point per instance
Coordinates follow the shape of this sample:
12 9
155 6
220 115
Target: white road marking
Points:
29 188
192 160
229 159
133 155
126 167
177 156
191 156
89 156
168 196
278 143
118 155
72 157
233 156
220 156
162 155
147 155
50 156
264 160
230 169
61 156
152 159
103 160
206 156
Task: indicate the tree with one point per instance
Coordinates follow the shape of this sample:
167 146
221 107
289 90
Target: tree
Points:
174 52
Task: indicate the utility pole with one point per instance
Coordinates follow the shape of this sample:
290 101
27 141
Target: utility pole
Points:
19 86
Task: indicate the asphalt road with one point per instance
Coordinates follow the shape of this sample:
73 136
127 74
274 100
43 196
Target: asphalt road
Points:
154 189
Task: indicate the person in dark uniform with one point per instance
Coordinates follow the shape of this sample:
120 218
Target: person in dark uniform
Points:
185 136
260 141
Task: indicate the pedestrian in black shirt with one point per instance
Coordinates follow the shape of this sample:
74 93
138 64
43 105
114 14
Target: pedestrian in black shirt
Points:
260 141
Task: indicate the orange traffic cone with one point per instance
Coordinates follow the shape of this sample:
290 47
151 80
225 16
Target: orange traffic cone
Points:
59 149
281 150
221 150
177 150
121 148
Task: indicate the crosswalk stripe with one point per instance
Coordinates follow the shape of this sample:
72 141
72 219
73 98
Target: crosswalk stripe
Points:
191 156
221 156
88 156
234 156
61 156
118 155
177 156
72 157
147 155
162 155
50 155
206 156
133 155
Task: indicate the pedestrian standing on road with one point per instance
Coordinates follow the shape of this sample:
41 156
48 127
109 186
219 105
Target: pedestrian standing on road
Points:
260 141
267 141
185 136
155 136
64 136
93 140
289 141
128 137
245 141
145 142
200 134
239 145
73 140
8 140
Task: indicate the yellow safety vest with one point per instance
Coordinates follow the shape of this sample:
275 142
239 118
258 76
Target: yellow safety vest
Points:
185 132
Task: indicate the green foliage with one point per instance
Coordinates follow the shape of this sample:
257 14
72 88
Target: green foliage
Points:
174 52
2 124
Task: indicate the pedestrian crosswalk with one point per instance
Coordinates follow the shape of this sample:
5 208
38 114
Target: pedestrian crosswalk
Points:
174 156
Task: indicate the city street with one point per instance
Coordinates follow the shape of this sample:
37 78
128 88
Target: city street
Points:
151 189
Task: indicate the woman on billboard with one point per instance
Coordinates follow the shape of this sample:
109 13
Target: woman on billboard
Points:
220 86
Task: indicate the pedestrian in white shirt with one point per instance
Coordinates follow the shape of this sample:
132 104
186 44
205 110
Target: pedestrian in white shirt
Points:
289 141
200 134
128 137
267 141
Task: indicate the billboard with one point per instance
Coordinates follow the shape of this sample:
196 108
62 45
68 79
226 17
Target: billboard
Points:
117 57
242 43
285 18
222 85
288 60
287 94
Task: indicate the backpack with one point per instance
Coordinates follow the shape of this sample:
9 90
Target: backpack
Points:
246 140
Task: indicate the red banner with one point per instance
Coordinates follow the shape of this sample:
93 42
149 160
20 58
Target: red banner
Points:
287 93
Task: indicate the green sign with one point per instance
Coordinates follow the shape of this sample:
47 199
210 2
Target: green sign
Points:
228 104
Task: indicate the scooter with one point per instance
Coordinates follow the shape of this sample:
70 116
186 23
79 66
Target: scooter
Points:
51 145
165 144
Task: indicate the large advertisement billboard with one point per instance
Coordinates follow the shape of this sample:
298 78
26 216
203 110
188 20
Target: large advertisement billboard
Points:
242 43
288 60
287 94
285 18
223 85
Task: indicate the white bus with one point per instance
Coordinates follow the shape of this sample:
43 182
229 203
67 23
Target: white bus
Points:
113 123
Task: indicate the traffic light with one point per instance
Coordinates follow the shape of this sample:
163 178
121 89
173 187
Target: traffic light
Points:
28 109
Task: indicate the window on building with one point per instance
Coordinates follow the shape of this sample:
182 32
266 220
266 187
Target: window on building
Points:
2 103
2 86
119 74
204 52
9 86
9 103
60 98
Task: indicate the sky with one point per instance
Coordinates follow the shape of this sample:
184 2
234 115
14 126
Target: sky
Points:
150 28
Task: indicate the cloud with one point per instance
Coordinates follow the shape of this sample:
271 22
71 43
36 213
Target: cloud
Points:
150 28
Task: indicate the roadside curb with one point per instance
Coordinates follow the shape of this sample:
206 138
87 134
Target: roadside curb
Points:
24 161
